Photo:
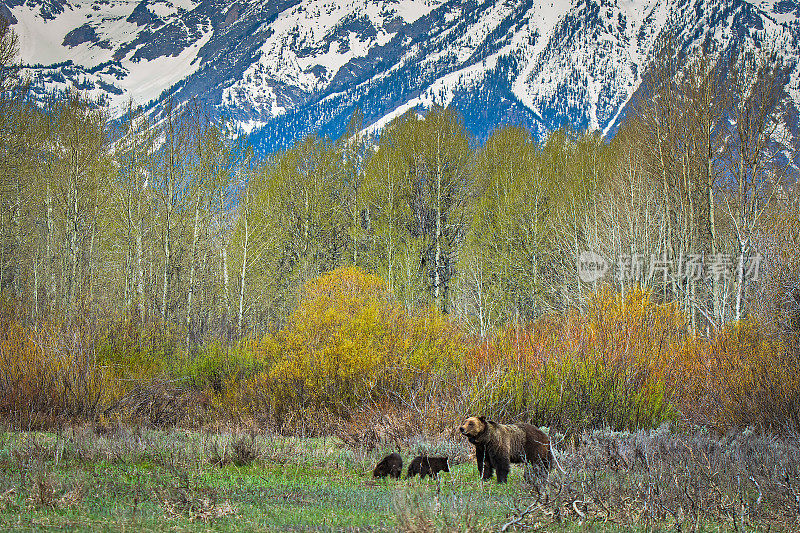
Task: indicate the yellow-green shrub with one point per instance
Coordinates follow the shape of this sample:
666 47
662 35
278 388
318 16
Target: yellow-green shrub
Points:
341 345
130 353
214 364
753 380
46 375
350 343
436 347
603 367
572 394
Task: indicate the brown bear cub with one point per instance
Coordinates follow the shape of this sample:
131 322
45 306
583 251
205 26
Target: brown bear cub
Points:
391 465
427 466
498 445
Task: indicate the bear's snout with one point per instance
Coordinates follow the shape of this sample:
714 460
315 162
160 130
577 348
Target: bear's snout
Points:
461 429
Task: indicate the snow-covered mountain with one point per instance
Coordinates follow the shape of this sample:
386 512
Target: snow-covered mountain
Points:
284 68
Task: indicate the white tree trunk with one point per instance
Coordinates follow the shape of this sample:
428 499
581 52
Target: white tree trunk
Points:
166 274
243 274
51 281
73 249
190 290
740 281
139 275
91 254
224 253
437 262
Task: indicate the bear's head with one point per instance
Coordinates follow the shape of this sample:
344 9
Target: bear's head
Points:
473 426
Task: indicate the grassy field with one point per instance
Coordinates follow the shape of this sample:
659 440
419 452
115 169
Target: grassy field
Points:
152 480
148 480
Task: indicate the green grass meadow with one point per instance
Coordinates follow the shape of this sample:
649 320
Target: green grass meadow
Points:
174 480
156 481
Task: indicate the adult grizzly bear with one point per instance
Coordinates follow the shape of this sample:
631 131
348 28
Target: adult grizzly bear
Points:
427 466
498 445
391 465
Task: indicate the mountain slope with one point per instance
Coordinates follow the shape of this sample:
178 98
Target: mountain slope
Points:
282 69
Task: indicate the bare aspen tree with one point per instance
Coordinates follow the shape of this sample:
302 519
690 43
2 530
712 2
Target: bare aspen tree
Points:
171 189
225 280
200 123
705 95
211 175
16 153
223 165
444 173
353 148
258 228
81 140
505 245
756 143
9 48
311 177
385 195
567 164
658 116
133 153
246 233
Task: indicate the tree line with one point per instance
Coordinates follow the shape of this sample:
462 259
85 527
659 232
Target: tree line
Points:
171 218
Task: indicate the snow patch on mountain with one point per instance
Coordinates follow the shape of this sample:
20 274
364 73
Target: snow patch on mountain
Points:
442 91
285 68
310 42
542 19
410 10
41 38
148 79
105 28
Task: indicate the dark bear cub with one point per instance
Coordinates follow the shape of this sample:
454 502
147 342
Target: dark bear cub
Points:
391 465
427 466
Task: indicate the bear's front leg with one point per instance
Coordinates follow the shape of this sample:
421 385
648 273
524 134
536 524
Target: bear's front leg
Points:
484 465
488 470
503 467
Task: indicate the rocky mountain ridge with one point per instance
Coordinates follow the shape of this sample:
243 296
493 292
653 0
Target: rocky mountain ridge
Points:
282 69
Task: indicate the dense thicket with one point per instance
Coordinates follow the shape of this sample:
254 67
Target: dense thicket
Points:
171 228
